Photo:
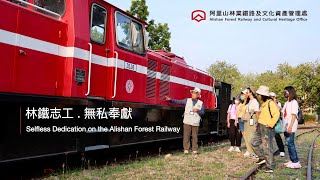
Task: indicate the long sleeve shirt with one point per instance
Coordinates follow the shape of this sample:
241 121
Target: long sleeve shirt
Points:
265 118
184 101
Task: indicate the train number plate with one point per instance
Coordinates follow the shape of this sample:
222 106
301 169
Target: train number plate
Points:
130 66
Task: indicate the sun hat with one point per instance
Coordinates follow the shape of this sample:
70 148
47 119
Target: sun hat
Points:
263 90
197 90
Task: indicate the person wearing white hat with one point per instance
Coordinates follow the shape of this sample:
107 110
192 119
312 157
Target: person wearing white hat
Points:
278 136
263 136
194 109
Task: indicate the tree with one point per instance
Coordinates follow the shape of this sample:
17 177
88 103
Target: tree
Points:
224 72
304 77
159 34
139 9
307 84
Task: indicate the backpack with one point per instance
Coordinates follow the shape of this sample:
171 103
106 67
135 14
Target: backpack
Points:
278 128
300 117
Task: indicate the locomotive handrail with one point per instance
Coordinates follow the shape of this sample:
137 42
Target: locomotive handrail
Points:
38 7
89 73
214 91
115 76
176 61
202 71
160 54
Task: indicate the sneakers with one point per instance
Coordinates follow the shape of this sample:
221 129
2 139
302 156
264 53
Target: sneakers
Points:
247 154
282 154
185 151
261 161
230 149
287 163
268 170
296 165
194 152
236 149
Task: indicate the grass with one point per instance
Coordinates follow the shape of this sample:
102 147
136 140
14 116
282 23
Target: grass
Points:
281 172
316 163
309 117
213 162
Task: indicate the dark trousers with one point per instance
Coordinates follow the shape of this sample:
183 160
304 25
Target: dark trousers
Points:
187 129
234 134
279 142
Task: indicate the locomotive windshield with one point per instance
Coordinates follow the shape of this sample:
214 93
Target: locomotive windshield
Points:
129 34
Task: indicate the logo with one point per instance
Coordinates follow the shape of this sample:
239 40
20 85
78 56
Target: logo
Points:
129 86
198 15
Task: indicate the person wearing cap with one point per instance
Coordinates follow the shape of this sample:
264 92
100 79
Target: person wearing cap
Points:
194 109
278 136
262 141
250 117
233 125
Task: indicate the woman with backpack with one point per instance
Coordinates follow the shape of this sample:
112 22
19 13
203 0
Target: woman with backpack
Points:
290 113
262 141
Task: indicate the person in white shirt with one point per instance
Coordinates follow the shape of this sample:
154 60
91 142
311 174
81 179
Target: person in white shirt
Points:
252 109
278 136
290 121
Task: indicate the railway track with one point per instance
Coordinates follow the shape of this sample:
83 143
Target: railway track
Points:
310 157
250 175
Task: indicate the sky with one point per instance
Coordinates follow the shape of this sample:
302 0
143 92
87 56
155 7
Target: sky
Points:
254 47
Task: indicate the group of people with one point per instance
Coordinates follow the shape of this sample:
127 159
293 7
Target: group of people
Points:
251 120
255 122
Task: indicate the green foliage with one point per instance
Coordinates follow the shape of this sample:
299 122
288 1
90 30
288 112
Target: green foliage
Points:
304 77
309 117
139 9
159 34
229 73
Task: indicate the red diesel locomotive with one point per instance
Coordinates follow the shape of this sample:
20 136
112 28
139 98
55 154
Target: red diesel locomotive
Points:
66 62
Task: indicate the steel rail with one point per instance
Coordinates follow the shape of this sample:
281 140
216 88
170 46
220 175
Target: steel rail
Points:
309 169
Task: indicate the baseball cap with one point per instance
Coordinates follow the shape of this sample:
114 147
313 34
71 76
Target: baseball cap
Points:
196 90
273 94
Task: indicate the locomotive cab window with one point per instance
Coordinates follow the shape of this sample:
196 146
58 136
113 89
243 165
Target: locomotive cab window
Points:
56 6
129 34
98 24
